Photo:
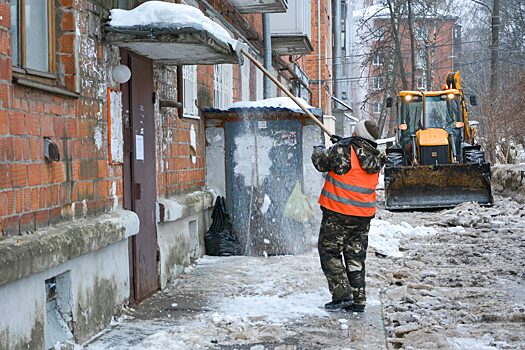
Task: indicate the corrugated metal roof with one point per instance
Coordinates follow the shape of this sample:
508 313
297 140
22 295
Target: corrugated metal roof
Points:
315 111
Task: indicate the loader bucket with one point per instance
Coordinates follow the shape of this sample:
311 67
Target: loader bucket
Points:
437 186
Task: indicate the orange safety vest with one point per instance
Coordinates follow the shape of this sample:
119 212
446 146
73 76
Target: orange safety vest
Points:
353 193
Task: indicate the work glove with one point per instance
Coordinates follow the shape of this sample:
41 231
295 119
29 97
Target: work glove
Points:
335 138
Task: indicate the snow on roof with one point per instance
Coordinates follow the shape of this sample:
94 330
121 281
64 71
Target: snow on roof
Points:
170 15
371 11
277 102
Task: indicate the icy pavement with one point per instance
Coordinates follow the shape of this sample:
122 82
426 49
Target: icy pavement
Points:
452 279
247 303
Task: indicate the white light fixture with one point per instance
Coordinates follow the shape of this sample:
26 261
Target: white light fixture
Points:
121 74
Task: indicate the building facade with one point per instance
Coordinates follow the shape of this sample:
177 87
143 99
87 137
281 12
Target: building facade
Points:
103 189
375 69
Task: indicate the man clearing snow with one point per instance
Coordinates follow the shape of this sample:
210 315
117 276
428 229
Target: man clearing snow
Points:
348 202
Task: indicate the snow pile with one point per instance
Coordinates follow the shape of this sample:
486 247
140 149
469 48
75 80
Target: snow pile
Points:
384 236
166 14
509 180
277 102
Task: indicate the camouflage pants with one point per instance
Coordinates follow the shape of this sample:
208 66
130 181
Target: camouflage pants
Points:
342 249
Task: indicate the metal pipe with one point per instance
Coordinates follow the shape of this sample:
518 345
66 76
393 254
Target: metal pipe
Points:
338 51
319 75
285 90
267 43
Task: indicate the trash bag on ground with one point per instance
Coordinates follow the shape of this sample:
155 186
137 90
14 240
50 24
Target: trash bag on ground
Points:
298 206
220 240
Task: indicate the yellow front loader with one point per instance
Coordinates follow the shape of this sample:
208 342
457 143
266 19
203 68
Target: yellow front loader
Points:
435 162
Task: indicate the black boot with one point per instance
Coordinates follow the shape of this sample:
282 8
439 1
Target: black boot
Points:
355 308
338 304
359 296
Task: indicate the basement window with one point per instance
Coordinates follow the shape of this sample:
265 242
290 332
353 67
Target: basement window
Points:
59 313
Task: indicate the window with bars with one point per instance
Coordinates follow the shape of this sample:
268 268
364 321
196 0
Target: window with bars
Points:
34 34
189 74
245 81
377 83
223 86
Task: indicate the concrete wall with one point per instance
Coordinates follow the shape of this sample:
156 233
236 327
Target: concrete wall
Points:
93 279
215 162
184 220
509 180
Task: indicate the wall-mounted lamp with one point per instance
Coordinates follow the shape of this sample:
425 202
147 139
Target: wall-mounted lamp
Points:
51 152
121 74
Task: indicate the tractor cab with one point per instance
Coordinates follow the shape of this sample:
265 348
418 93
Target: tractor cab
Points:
432 124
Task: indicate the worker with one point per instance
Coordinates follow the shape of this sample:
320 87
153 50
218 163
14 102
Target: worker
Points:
348 203
434 119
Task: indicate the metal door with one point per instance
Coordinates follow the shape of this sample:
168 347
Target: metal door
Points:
140 190
264 160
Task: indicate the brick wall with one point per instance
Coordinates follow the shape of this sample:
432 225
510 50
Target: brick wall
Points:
33 192
312 60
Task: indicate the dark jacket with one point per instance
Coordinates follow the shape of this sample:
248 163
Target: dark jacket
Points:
337 157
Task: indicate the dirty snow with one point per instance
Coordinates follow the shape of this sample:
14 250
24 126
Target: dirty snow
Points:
276 102
166 14
458 284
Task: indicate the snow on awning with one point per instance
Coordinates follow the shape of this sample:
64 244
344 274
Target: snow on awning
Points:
277 104
172 34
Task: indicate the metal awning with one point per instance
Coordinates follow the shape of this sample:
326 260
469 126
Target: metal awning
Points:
173 45
291 44
260 6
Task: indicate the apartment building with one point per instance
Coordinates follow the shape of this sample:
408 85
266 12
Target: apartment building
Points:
437 40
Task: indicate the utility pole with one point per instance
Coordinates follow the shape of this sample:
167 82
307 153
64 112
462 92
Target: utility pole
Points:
338 52
494 49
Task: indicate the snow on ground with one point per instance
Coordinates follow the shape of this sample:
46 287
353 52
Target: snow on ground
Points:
260 303
458 284
384 236
276 102
168 14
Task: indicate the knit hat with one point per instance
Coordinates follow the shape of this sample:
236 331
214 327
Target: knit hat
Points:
367 130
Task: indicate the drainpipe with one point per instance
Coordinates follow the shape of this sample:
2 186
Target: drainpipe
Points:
319 75
267 42
180 85
337 62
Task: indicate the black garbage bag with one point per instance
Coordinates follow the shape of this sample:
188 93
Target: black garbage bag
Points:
220 240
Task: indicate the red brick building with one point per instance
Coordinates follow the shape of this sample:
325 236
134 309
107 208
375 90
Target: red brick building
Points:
437 43
103 185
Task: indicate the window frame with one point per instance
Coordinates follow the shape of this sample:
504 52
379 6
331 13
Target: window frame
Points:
188 83
378 60
376 104
378 83
423 81
20 67
245 81
222 86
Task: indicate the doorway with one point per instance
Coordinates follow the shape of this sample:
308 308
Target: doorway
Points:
140 191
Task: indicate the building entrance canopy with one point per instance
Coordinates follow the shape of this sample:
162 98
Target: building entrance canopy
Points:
171 34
